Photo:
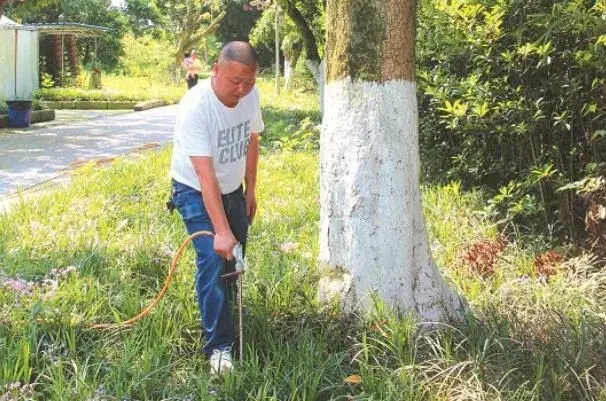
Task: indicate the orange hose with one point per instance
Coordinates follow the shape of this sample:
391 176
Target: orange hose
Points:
154 302
167 281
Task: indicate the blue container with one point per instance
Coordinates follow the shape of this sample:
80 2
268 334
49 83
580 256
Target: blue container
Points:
18 115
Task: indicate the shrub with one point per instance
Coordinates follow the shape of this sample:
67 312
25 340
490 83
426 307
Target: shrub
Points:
511 97
169 94
46 80
36 105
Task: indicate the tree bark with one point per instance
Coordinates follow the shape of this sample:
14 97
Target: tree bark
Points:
57 59
74 64
317 70
312 56
290 64
309 39
373 239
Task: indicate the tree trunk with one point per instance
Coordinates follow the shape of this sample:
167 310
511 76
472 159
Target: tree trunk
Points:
373 238
57 59
317 70
277 43
313 62
290 64
74 64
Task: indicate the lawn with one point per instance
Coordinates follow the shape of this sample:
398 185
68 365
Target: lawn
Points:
98 251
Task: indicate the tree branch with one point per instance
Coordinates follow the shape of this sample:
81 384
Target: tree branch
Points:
311 47
209 28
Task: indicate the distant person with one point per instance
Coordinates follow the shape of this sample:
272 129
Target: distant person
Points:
216 149
192 67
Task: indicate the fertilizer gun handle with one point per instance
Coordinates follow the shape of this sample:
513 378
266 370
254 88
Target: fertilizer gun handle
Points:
239 259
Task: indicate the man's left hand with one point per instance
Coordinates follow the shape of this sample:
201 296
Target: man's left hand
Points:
251 205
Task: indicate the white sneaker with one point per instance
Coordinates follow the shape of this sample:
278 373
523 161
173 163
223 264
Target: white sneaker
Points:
221 361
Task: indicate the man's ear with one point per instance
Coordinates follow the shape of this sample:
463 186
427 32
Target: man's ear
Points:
215 69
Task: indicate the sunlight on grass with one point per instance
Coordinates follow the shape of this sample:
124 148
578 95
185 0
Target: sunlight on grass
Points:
142 86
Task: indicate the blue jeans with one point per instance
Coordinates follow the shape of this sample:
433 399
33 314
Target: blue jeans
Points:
212 291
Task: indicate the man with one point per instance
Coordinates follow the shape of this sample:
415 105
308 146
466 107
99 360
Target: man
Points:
216 147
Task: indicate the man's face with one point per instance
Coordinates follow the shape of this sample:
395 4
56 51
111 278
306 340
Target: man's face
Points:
233 81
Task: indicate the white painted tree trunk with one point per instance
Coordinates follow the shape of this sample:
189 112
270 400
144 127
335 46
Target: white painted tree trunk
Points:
372 230
289 76
317 70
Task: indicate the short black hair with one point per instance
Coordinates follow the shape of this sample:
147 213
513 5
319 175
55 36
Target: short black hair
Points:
240 52
186 54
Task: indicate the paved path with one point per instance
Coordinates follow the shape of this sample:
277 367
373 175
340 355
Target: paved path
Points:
31 156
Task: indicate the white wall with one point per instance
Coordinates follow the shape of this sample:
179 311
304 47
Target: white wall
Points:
18 83
7 63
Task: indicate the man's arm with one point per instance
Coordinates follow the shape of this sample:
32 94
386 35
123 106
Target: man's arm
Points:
224 241
252 160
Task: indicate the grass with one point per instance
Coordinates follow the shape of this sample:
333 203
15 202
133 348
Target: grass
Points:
292 120
98 250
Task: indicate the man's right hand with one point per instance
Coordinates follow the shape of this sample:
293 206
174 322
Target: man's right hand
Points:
224 245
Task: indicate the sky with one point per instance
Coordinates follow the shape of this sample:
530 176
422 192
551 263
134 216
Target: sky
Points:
118 3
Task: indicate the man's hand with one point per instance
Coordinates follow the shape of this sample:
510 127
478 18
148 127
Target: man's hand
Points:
251 205
224 245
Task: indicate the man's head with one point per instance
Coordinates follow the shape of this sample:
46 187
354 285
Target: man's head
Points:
235 72
193 54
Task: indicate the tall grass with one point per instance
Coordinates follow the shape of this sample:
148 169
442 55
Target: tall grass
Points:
98 250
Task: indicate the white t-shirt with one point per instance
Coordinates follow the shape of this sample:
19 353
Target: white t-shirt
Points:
206 127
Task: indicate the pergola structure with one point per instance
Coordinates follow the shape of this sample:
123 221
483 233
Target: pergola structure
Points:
20 53
65 33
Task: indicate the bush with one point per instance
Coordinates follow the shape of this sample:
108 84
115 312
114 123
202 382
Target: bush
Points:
511 97
36 105
66 94
3 107
169 94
